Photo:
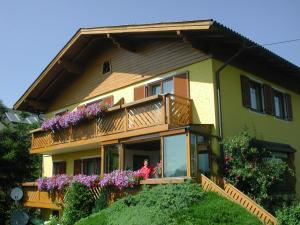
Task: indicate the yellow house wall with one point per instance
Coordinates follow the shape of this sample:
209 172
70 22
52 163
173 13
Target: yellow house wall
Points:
237 118
70 157
47 166
201 91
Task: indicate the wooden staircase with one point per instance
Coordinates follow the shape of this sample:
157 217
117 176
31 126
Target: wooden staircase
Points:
235 195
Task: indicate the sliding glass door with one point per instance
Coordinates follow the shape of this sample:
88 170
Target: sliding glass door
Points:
175 163
111 153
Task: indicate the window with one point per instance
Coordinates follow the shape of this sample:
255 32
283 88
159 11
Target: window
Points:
155 89
59 168
199 155
256 102
91 166
279 105
161 87
175 156
106 67
288 182
111 158
263 98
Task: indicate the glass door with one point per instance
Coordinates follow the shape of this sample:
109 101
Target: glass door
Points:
111 154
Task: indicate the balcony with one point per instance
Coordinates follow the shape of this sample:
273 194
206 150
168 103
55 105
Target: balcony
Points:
40 199
150 115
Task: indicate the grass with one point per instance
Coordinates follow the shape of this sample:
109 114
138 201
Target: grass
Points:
213 209
184 204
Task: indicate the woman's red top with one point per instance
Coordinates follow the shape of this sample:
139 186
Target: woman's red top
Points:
146 171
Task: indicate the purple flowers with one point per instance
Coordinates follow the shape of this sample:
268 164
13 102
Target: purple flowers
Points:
117 180
58 182
73 118
89 181
120 179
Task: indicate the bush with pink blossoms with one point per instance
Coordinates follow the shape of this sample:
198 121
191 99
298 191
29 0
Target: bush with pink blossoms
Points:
73 118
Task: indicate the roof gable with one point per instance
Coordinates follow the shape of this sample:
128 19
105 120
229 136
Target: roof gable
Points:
206 35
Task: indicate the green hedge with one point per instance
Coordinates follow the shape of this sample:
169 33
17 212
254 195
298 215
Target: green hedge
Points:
171 204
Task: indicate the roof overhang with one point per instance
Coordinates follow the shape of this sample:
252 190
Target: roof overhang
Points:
206 35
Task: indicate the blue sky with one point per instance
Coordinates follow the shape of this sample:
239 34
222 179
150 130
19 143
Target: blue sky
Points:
33 31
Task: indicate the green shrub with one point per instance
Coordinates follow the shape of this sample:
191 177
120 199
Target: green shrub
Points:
251 169
155 206
78 203
102 201
213 209
182 204
53 220
289 215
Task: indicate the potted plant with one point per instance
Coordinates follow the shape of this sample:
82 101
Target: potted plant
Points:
157 171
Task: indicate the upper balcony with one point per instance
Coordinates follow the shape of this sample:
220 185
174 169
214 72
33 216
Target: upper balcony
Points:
150 115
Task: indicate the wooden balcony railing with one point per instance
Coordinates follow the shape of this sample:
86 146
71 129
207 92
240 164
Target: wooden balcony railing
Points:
150 112
40 199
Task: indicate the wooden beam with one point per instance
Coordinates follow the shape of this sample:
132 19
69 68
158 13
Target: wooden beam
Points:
70 66
121 43
202 45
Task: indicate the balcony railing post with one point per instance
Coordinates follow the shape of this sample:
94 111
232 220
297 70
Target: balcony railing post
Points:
163 109
126 119
168 109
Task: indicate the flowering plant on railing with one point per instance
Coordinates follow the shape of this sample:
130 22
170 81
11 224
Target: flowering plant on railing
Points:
75 117
116 180
120 179
157 171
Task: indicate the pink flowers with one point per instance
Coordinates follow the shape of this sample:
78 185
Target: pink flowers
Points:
73 118
117 180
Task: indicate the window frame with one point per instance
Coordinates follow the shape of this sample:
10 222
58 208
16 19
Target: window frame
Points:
56 167
283 107
94 160
160 83
258 86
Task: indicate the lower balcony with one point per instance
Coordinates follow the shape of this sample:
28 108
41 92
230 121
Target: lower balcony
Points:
40 199
150 115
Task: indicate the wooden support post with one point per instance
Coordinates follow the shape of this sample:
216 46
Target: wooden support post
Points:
188 155
102 160
121 157
163 109
126 123
162 155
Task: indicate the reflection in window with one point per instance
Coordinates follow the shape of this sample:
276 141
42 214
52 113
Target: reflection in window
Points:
175 156
168 86
193 148
155 89
256 96
91 166
203 162
111 158
278 104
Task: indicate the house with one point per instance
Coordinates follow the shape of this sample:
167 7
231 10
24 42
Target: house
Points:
174 90
12 117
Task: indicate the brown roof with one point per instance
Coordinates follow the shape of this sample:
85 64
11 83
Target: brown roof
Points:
207 35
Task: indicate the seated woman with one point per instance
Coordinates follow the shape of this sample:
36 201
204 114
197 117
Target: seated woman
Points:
146 170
